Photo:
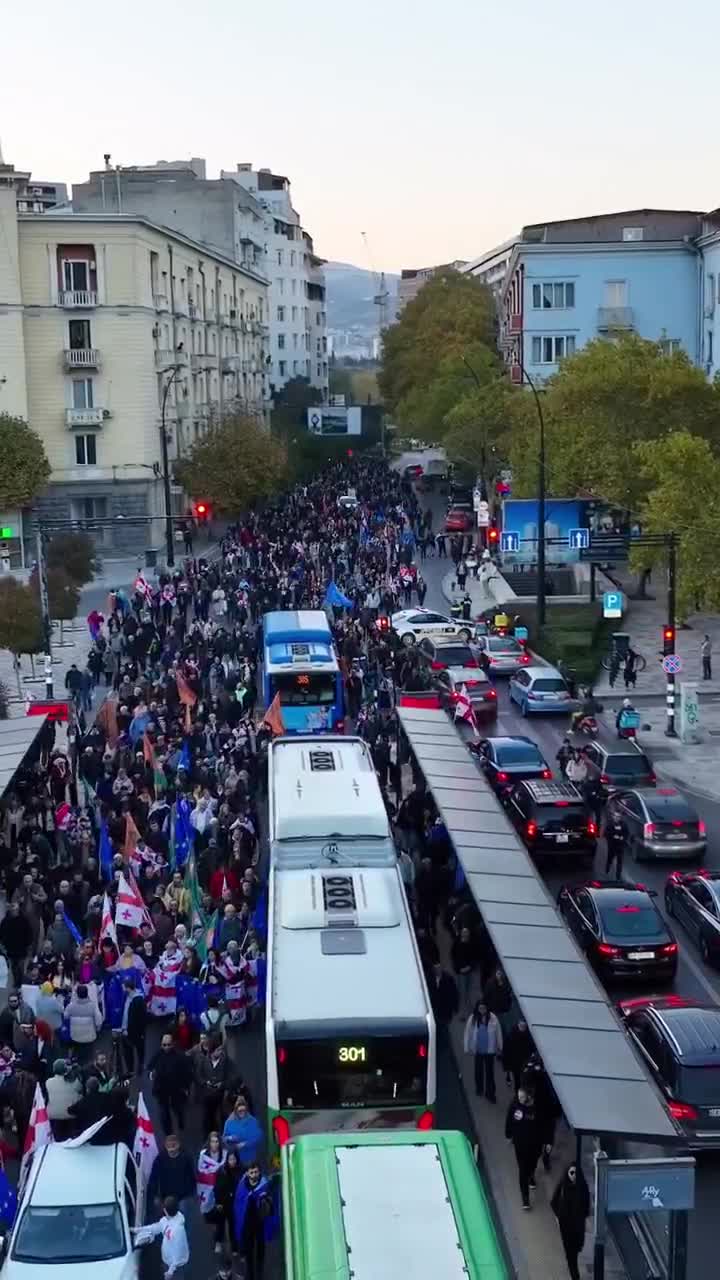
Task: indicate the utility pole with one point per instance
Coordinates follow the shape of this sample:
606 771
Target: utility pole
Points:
541 598
169 542
670 731
45 611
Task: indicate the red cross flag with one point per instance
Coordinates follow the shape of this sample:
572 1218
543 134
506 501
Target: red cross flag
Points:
464 708
107 927
130 909
145 1147
38 1132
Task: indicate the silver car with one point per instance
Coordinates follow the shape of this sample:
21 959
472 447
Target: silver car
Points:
505 654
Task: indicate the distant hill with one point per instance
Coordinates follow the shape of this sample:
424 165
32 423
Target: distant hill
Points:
350 292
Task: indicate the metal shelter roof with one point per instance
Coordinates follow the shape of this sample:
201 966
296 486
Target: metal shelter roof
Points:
16 739
600 1082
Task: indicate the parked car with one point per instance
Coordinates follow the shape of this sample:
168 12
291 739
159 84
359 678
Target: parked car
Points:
452 680
552 817
539 689
679 1040
507 761
460 495
505 654
410 625
619 766
412 471
459 520
658 822
620 929
438 653
694 899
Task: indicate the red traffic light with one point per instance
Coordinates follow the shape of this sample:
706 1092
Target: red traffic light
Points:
493 534
668 640
668 633
349 453
201 510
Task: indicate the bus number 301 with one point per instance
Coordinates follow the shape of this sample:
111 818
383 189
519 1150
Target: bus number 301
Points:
352 1053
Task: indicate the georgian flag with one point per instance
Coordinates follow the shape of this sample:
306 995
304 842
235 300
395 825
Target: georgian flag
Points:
207 1172
107 926
130 908
63 814
145 1147
39 1132
464 708
142 587
163 992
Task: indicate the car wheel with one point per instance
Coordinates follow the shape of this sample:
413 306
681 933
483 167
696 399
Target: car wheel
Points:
408 639
704 951
670 905
465 634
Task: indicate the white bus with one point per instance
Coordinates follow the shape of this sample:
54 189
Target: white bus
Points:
325 804
349 1032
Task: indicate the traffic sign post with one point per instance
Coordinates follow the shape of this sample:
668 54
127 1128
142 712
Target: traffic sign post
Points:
578 539
613 604
672 665
509 540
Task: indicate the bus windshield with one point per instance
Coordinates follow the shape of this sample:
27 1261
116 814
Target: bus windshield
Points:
353 1071
304 688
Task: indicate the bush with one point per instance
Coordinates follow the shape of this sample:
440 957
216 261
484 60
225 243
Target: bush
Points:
575 635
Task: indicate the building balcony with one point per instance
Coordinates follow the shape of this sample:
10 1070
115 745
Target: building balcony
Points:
614 318
200 360
160 301
231 364
85 418
77 298
164 358
82 358
515 323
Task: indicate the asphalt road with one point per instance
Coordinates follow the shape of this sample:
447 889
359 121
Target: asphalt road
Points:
693 977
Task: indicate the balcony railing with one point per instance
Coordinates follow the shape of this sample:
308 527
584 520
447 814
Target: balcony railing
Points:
82 358
231 364
515 323
202 360
615 318
160 301
77 298
84 417
163 358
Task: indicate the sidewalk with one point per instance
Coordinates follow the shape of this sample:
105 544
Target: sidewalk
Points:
485 592
689 765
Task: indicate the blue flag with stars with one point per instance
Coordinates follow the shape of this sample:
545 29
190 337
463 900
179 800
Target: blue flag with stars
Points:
72 927
8 1200
105 853
183 838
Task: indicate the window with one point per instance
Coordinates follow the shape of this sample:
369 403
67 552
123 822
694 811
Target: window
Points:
281 368
281 286
79 335
82 393
616 293
294 313
710 346
281 342
295 341
76 277
632 233
281 314
551 296
292 258
551 349
294 285
85 453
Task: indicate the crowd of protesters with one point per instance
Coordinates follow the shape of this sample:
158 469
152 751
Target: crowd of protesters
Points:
132 876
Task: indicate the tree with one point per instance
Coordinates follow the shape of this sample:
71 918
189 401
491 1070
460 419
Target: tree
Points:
25 469
477 429
451 316
682 475
20 622
602 401
425 409
291 402
63 595
233 465
75 553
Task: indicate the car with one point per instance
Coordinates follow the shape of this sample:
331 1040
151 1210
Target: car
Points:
75 1213
505 654
658 822
412 471
458 520
536 688
438 653
693 898
460 495
348 501
507 761
552 817
678 1039
615 768
621 931
482 695
410 625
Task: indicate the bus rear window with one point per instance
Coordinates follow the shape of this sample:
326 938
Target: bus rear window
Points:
304 688
354 1071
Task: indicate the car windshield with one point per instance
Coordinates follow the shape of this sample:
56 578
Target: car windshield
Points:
518 753
453 655
497 644
637 765
701 1085
556 685
630 920
669 809
70 1233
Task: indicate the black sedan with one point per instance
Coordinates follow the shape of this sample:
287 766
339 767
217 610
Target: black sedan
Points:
620 930
694 900
507 761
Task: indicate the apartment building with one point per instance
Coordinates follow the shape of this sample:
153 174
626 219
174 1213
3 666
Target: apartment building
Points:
110 323
412 280
298 323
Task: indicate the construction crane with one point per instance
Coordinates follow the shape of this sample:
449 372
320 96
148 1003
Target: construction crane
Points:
382 294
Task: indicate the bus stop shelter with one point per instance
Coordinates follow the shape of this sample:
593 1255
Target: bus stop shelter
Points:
16 739
602 1086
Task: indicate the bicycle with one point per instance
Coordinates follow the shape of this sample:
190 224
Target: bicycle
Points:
611 658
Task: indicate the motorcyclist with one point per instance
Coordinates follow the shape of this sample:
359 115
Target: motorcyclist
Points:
588 709
626 719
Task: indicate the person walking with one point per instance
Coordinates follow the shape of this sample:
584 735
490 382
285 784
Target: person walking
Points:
255 1219
464 958
85 1020
175 1250
172 1174
571 1205
484 1040
706 655
171 1076
615 844
133 1027
518 1047
521 1129
226 1185
443 998
576 769
241 1132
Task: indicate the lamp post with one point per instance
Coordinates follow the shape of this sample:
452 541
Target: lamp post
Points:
541 609
483 443
169 543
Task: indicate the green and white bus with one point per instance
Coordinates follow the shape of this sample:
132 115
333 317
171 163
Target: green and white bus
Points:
370 1205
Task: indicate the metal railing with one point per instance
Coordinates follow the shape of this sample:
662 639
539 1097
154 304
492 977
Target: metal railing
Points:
82 357
77 298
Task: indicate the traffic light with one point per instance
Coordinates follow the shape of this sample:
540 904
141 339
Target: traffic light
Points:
493 536
201 510
668 640
349 453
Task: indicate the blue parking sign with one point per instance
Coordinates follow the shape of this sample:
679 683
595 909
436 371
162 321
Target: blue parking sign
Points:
612 604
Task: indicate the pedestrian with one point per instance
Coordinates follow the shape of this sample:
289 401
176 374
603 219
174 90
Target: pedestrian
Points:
615 844
499 998
571 1205
484 1040
171 1076
576 769
172 1174
518 1048
133 1027
521 1129
444 998
64 1088
630 669
226 1185
706 655
464 957
213 1075
85 1020
242 1132
461 574
174 1251
255 1219
210 1161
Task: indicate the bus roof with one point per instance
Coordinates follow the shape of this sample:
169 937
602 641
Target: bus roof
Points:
325 789
391 1204
282 626
343 948
302 655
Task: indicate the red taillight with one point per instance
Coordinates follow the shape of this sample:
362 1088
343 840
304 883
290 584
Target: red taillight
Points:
547 773
525 658
422 1050
561 804
678 822
652 777
669 949
281 1130
604 949
282 1056
437 666
502 777
425 1121
702 830
648 830
604 777
531 829
592 828
490 695
682 1111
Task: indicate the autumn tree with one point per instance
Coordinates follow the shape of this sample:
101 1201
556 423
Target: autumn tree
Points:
20 621
75 553
63 594
24 468
233 465
476 429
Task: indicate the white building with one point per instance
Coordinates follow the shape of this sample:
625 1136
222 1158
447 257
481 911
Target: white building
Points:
107 321
298 317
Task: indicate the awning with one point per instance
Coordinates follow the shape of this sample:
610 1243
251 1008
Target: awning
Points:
16 739
601 1083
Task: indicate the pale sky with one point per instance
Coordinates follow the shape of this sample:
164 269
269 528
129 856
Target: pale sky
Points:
438 128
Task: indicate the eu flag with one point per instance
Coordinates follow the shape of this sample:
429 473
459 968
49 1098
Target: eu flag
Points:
105 852
183 834
72 927
8 1201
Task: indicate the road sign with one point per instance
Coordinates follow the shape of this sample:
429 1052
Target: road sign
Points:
578 539
606 548
509 540
612 604
636 1186
672 664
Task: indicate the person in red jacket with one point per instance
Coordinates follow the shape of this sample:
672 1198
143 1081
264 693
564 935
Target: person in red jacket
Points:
221 879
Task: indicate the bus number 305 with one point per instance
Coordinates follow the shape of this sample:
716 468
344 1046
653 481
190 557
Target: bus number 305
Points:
352 1053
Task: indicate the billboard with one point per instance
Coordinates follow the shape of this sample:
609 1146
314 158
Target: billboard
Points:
335 420
520 516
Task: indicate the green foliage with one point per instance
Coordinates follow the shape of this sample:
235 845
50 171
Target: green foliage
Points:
576 636
25 469
298 393
236 463
75 553
477 428
63 593
20 620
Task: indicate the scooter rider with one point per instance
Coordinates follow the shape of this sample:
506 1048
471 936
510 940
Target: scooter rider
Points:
626 719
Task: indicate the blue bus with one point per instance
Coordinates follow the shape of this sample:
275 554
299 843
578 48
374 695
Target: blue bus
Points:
301 665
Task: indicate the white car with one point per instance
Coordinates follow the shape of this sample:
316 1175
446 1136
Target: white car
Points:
74 1216
412 624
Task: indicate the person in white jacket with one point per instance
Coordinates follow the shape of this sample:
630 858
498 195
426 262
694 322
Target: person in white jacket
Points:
484 1040
174 1250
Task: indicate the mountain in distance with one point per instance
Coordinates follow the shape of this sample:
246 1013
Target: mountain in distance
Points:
350 293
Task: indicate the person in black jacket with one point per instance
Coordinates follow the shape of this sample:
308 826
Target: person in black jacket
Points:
536 1081
571 1206
16 937
171 1074
518 1047
443 997
521 1128
134 1025
172 1174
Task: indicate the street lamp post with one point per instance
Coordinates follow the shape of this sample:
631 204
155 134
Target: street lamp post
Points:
169 542
541 601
